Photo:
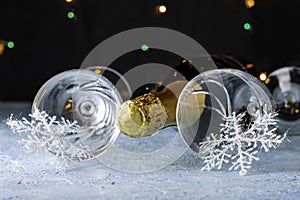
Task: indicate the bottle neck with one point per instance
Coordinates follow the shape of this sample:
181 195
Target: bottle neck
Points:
146 114
169 98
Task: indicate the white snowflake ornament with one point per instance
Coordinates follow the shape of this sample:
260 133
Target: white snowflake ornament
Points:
239 145
45 132
243 106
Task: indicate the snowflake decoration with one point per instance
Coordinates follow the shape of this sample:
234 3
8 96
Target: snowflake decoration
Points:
46 132
239 145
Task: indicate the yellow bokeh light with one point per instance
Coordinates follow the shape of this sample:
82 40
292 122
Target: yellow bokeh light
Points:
267 81
249 3
68 106
1 48
69 1
161 9
263 76
249 66
97 71
296 110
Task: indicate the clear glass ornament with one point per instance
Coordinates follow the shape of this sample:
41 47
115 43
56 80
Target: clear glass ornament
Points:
115 77
284 84
147 118
89 99
225 92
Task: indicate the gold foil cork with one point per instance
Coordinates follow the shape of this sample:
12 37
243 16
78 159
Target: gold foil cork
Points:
142 116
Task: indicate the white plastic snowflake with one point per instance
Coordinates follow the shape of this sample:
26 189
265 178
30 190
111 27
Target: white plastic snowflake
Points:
45 132
238 144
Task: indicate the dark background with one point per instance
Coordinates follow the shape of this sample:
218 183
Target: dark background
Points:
47 42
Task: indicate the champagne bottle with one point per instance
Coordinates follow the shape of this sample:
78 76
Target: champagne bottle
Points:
146 114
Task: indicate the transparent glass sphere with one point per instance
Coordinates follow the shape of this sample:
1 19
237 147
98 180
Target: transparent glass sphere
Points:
87 98
115 77
284 84
213 95
164 79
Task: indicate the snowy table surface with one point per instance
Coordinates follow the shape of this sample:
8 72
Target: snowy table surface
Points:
23 176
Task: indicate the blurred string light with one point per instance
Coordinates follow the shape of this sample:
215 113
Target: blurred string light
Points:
144 47
1 48
71 15
249 66
267 81
249 3
10 44
263 76
161 9
247 26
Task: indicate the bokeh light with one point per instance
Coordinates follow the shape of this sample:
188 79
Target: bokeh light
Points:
1 48
247 26
249 3
144 47
10 44
263 76
71 15
161 9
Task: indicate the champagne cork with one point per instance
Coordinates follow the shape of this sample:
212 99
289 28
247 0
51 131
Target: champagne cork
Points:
146 114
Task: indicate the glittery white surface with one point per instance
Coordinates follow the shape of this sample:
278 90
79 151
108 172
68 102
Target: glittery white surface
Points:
23 176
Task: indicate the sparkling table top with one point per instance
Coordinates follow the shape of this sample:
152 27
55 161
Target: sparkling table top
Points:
26 176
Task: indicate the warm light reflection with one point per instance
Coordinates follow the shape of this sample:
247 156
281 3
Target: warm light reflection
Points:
160 83
175 73
97 71
263 76
249 3
68 106
189 61
296 110
69 1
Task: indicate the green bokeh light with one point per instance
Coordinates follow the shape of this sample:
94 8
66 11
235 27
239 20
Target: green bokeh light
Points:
147 88
247 26
144 47
71 15
10 44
